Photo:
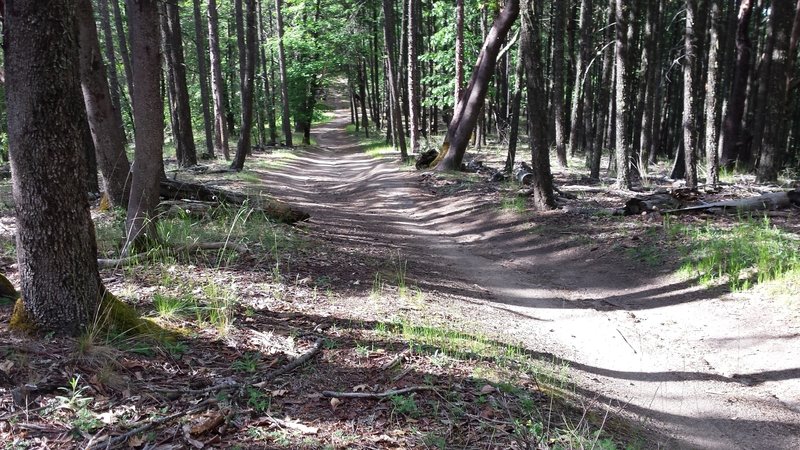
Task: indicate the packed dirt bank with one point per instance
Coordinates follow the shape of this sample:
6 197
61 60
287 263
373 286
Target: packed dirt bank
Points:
705 368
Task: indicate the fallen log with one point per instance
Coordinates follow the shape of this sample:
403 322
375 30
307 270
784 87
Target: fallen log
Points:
425 159
651 203
274 209
765 202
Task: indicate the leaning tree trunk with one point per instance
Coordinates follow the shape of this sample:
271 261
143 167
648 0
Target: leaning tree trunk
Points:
542 184
732 131
106 126
179 92
56 248
148 108
689 94
217 82
202 75
469 106
623 150
248 85
398 132
776 134
286 123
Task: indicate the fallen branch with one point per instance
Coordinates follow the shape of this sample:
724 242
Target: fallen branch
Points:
121 439
377 395
291 425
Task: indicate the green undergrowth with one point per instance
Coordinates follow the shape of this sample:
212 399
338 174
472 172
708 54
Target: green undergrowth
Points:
752 251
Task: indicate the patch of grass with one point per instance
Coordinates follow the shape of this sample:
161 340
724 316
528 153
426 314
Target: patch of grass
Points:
169 308
513 203
404 405
247 363
751 251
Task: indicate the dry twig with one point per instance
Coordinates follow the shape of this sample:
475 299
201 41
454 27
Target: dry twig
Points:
377 395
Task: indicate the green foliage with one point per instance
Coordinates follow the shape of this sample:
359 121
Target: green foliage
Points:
750 251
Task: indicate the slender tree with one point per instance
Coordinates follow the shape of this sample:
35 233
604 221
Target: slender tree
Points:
202 76
689 95
148 107
217 82
582 81
56 249
398 132
413 75
111 60
243 148
459 57
558 76
712 94
123 44
621 98
106 126
286 123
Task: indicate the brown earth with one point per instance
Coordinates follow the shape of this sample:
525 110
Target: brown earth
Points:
705 368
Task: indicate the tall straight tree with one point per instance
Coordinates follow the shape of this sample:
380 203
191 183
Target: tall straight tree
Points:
178 90
398 132
56 248
217 82
248 86
582 81
268 103
472 99
111 59
148 110
622 151
286 123
558 76
689 95
712 94
106 126
775 138
202 76
459 56
413 74
542 185
122 38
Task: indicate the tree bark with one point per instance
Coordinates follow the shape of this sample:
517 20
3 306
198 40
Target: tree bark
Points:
286 123
106 126
202 75
732 132
542 183
651 72
472 99
217 82
689 94
712 95
56 249
413 75
123 45
398 131
179 92
362 90
582 81
459 56
775 137
117 95
516 100
623 151
557 75
249 53
269 104
148 107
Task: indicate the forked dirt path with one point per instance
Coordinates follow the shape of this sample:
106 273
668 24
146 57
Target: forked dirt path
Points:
707 371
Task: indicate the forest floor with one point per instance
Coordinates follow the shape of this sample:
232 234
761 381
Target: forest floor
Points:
509 328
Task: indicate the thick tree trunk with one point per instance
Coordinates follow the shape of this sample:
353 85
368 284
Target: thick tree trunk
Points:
542 183
773 151
558 74
217 82
148 107
472 99
689 94
179 92
413 75
582 81
202 75
732 132
623 150
712 95
105 125
286 123
56 248
249 62
398 131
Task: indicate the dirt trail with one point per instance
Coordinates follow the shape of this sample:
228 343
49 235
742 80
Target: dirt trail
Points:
707 371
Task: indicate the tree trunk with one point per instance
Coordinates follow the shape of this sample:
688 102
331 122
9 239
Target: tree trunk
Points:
179 92
123 45
466 112
391 72
111 60
148 108
582 81
287 126
92 184
689 94
557 75
105 125
202 75
516 100
413 75
621 56
542 184
217 82
249 62
604 103
773 151
269 104
459 57
712 95
651 72
362 90
732 131
56 249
